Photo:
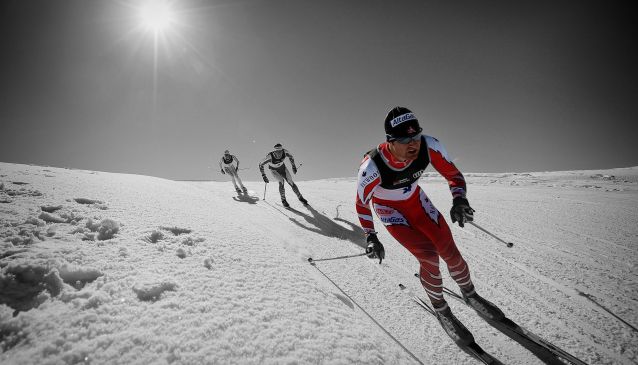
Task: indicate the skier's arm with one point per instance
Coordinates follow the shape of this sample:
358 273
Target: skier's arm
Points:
442 162
261 168
292 161
368 179
262 164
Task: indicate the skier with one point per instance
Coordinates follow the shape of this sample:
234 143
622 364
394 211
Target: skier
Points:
388 177
229 164
275 162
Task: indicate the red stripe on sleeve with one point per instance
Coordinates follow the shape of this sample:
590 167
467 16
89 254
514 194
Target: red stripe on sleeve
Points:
448 170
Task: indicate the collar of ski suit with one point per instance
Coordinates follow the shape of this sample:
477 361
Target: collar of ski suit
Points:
388 157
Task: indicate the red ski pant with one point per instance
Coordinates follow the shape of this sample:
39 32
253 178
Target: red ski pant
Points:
421 228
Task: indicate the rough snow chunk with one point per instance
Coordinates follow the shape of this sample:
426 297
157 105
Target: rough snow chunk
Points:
106 229
176 230
35 221
87 201
22 285
12 330
181 253
190 241
153 237
72 274
152 291
50 208
51 218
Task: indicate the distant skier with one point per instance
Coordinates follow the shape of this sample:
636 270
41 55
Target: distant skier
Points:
229 164
388 176
275 162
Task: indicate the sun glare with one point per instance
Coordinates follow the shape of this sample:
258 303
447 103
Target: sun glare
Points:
156 16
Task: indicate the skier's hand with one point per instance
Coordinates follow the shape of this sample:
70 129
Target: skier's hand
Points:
263 176
223 172
375 248
461 211
294 169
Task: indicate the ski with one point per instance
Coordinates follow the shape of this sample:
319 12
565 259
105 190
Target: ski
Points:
472 349
544 350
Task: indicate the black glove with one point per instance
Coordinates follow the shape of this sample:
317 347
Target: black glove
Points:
294 169
461 211
375 248
263 176
223 172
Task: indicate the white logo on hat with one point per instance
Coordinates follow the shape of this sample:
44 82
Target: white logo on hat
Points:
402 118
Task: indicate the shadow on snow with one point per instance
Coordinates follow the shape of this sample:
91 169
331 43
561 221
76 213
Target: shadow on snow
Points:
246 199
320 224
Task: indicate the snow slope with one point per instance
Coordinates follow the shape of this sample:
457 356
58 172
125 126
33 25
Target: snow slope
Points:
113 268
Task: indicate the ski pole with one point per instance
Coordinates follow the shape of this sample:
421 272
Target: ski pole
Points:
368 314
265 185
508 244
311 260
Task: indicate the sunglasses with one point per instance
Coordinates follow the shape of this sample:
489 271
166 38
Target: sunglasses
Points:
406 140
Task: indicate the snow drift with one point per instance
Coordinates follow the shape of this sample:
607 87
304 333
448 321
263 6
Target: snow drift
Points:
111 268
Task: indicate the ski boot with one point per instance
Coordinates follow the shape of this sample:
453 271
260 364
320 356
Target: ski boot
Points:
482 306
245 191
303 201
453 327
238 190
285 203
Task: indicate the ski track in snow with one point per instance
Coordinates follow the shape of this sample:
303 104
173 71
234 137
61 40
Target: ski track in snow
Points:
135 269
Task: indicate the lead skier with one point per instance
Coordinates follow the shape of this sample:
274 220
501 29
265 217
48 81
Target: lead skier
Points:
275 161
229 164
388 177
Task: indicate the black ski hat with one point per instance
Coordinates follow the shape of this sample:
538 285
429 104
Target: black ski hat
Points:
278 146
401 122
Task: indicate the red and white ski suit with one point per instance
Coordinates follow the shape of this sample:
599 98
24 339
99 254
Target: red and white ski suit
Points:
408 214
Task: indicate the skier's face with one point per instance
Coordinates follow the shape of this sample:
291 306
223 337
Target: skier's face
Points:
279 153
406 151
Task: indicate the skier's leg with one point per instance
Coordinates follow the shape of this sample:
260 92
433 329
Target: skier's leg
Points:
243 188
295 189
231 172
418 244
234 177
432 224
401 228
277 173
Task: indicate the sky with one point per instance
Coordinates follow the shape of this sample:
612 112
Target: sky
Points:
506 86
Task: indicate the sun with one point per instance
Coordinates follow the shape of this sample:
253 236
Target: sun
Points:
156 16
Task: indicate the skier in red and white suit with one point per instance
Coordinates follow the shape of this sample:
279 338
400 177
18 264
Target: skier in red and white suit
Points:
388 178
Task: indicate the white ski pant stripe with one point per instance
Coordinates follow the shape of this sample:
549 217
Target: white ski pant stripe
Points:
432 285
434 294
365 217
466 277
456 265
